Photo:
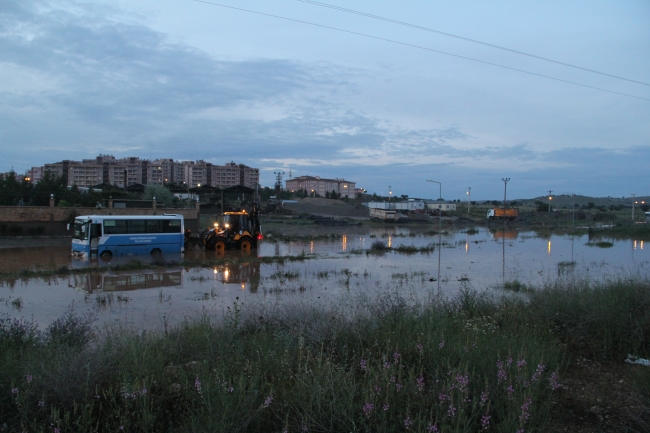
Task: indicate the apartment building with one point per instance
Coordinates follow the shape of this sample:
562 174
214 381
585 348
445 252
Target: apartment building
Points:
132 170
321 186
86 173
195 174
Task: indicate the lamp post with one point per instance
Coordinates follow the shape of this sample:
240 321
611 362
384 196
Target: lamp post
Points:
550 197
469 197
439 225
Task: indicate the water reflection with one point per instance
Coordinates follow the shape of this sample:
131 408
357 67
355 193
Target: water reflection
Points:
240 274
127 280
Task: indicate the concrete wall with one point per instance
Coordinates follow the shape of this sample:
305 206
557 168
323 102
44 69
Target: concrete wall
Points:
54 220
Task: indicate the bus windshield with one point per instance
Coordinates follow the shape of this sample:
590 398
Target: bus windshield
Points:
81 229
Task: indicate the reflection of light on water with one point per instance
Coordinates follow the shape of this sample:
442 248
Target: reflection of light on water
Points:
467 247
549 247
638 244
243 286
390 241
226 274
345 243
311 247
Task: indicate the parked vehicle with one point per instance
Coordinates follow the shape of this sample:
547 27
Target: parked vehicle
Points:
501 213
122 235
234 230
383 215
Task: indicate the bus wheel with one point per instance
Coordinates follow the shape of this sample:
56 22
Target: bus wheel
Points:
220 245
245 244
156 253
106 256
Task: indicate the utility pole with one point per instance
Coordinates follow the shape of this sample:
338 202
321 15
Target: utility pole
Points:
550 197
633 203
469 197
505 188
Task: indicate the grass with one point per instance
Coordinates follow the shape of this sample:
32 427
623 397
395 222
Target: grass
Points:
471 363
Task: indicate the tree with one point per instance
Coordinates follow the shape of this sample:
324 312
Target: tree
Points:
49 184
11 190
162 194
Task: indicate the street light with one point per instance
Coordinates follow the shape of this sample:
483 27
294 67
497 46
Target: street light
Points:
469 196
439 226
642 202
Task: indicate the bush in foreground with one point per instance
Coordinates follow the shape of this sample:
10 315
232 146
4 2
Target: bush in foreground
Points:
474 363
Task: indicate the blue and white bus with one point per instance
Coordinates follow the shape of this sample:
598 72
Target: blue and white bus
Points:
110 236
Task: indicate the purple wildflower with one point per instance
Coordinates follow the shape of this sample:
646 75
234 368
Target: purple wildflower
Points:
364 364
268 401
485 395
485 421
432 428
502 376
451 411
408 422
387 365
368 408
420 383
555 381
14 391
29 378
521 363
386 407
525 410
396 356
398 386
41 403
197 385
420 348
509 362
441 345
377 388
510 390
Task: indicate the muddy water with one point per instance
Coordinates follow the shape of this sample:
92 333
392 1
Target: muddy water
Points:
338 267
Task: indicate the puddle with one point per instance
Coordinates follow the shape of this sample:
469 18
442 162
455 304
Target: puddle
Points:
339 266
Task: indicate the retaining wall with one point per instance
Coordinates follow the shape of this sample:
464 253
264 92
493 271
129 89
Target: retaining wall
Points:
53 221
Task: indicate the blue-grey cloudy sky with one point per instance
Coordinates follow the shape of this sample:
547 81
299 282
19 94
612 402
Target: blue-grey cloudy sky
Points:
190 80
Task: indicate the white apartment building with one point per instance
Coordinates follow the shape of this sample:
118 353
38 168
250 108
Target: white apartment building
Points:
322 187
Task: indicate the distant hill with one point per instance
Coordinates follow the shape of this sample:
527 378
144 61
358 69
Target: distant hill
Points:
565 201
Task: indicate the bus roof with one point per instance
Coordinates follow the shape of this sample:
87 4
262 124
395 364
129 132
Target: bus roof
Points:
130 217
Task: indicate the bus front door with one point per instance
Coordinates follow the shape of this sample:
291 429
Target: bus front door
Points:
95 233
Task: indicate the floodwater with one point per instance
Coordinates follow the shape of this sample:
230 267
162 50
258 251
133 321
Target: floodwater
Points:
335 268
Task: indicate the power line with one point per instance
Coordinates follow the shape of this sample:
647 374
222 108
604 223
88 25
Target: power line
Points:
475 41
421 48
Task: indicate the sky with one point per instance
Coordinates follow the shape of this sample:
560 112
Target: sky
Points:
425 93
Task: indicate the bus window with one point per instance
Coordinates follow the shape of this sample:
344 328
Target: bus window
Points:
115 227
81 229
136 226
153 226
171 226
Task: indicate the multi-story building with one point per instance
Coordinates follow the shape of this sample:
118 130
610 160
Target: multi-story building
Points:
86 173
133 170
249 176
57 168
317 185
35 174
125 172
225 176
195 174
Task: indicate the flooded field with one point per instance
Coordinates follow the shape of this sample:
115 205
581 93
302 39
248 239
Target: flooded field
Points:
338 264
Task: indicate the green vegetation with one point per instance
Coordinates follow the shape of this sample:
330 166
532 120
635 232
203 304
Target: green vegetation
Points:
474 363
